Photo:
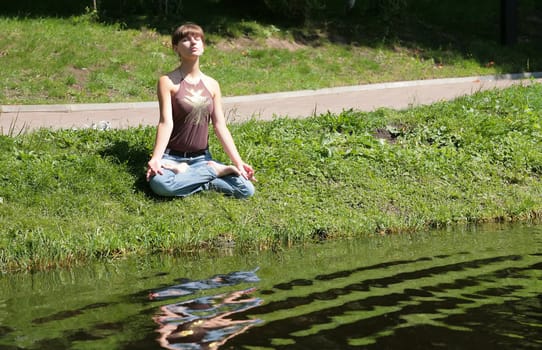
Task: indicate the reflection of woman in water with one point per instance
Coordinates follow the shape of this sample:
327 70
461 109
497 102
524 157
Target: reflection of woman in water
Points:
204 323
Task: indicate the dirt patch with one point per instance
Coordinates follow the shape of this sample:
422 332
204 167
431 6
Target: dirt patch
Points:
390 133
384 134
80 77
248 43
283 44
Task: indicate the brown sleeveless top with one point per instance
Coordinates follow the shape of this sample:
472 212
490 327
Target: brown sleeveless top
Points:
192 109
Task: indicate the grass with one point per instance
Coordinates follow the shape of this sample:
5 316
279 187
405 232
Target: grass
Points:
71 62
79 59
70 196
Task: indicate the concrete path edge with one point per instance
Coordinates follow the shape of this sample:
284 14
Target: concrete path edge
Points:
268 96
16 119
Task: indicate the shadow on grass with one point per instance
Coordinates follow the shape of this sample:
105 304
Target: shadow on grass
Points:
445 31
135 160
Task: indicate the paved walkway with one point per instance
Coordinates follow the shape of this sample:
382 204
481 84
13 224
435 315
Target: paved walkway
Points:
297 104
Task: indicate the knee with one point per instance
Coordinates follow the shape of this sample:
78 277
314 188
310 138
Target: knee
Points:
161 185
245 191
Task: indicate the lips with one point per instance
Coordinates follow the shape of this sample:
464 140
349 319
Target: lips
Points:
196 50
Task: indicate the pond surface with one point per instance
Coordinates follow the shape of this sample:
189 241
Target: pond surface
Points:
458 289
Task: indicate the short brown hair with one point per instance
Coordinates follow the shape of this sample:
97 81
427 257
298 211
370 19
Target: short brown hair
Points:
187 29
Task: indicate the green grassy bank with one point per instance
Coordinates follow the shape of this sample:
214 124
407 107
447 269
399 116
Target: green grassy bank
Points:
70 196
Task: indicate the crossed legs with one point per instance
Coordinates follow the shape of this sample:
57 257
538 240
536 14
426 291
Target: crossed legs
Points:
182 179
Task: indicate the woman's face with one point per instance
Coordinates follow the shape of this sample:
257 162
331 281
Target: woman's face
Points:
190 46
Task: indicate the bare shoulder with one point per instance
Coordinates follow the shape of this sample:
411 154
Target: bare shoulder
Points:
172 78
211 84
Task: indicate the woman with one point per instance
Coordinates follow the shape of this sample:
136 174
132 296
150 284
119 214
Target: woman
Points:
181 163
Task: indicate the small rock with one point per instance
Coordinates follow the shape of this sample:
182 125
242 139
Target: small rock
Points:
102 125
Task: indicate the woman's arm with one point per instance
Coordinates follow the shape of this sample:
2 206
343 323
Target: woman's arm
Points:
223 133
165 126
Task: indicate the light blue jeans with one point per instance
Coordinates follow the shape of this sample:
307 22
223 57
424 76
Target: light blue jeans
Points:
198 177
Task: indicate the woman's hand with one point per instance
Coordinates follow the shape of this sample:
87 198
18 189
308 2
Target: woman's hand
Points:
246 171
154 167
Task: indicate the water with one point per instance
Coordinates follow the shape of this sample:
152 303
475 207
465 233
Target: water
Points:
461 289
